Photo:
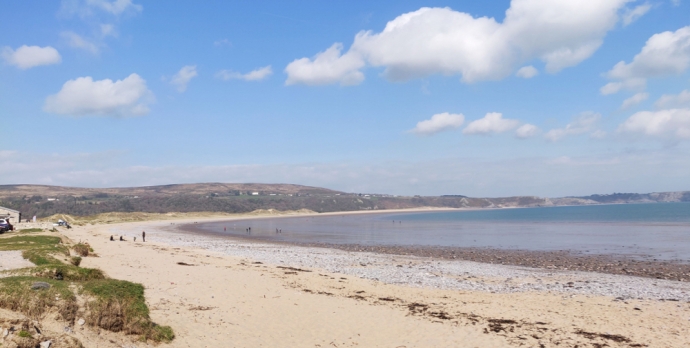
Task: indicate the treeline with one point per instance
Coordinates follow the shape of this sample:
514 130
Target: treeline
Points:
84 206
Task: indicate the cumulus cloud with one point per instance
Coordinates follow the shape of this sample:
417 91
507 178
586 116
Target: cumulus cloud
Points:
670 124
583 123
26 57
631 15
526 131
254 75
634 100
327 67
442 41
75 40
438 123
527 72
492 122
668 101
664 54
182 78
85 97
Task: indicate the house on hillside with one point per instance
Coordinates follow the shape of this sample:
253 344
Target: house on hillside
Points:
13 215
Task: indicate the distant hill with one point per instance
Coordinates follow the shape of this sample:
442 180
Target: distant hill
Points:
42 201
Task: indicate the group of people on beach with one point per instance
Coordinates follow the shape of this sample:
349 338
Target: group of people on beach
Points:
122 239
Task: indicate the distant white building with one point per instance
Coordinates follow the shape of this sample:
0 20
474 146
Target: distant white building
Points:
255 193
7 213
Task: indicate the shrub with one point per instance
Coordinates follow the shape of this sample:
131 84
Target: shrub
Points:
82 249
75 260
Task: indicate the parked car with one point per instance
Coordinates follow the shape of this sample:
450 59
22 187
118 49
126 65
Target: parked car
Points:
5 225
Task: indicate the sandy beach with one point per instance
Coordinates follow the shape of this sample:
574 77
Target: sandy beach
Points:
232 293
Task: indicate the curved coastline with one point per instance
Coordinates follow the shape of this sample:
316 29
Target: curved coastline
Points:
640 265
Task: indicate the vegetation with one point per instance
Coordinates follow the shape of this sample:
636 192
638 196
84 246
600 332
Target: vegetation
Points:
81 249
30 230
120 305
16 295
111 304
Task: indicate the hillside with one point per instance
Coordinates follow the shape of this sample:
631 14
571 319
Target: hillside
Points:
45 201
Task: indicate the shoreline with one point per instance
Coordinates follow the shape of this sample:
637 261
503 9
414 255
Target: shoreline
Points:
430 271
640 265
220 292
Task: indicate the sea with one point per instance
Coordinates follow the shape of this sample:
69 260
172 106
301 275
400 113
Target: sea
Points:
651 230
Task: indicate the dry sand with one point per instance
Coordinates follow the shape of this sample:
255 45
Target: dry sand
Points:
235 294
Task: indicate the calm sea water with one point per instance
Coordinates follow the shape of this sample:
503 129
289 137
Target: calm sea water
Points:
656 230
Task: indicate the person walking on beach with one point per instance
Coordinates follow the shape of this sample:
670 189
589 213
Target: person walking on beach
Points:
143 236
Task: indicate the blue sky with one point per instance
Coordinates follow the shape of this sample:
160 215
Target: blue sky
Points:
500 98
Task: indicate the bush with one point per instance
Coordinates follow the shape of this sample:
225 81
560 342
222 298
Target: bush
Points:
75 260
82 249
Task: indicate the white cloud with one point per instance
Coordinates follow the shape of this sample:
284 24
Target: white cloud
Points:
526 131
86 8
26 57
108 30
670 124
675 2
583 123
527 72
562 174
222 42
598 134
327 67
438 123
442 41
116 7
182 78
76 41
84 96
634 100
615 87
664 54
492 122
668 101
631 15
254 75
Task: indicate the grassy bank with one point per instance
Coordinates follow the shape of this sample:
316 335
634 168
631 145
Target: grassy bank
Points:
56 283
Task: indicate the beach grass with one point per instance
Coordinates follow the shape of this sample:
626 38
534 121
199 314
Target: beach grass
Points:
118 305
82 249
16 294
30 230
111 304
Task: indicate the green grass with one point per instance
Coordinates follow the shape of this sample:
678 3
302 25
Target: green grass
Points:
118 305
25 334
37 249
68 272
30 230
161 334
114 305
82 249
16 295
